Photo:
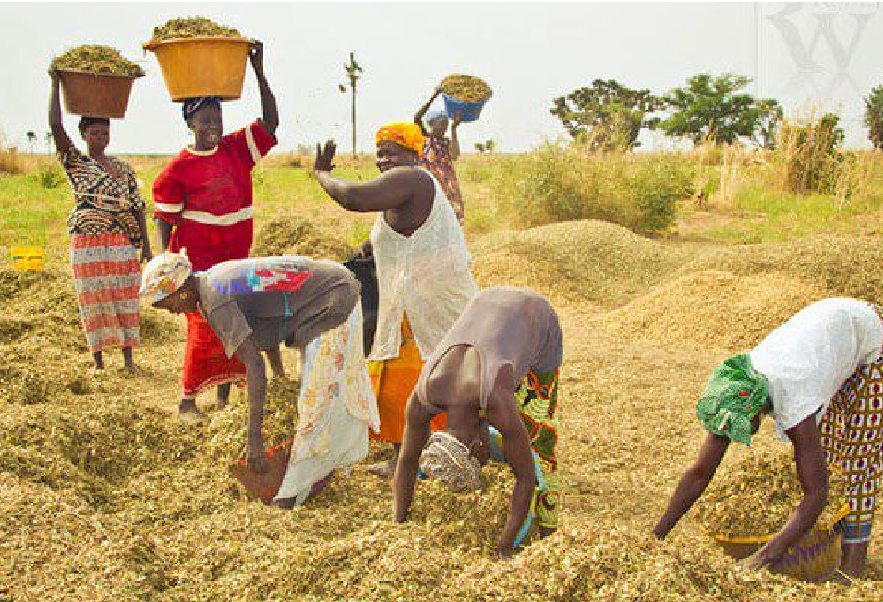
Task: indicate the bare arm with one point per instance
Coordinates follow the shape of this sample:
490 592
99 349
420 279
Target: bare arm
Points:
257 390
693 483
421 112
56 125
165 232
415 437
455 142
269 110
516 449
813 474
392 189
146 254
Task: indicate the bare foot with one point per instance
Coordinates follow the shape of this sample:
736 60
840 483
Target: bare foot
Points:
319 485
223 396
383 469
133 369
188 412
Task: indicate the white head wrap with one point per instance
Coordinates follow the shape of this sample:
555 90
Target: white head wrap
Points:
165 274
446 458
435 115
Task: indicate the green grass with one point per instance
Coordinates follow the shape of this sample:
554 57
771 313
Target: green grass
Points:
754 210
766 213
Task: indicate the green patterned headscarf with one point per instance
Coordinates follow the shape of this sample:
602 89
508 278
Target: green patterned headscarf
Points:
735 394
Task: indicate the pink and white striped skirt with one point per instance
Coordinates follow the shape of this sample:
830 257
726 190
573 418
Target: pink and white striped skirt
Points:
107 276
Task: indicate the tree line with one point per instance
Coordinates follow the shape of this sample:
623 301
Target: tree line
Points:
610 116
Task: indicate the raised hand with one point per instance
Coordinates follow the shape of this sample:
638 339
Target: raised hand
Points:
256 55
324 160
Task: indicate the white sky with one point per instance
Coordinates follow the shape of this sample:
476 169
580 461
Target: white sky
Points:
801 53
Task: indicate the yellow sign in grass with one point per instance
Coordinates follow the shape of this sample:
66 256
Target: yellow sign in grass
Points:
27 259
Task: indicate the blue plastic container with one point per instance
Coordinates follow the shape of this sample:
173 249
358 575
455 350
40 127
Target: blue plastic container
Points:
469 111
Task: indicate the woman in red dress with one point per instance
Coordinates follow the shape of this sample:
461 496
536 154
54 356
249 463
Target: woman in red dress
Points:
203 203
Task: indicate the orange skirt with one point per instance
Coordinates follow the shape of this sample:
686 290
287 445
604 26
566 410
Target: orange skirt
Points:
393 381
205 363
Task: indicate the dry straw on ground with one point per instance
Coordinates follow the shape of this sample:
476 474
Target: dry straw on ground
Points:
104 495
759 495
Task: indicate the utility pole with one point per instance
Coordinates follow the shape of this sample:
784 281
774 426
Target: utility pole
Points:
353 72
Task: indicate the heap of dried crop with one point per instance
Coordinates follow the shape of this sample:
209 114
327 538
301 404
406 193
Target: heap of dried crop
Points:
95 58
759 495
466 88
193 27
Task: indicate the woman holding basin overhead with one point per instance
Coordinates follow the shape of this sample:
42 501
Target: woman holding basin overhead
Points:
107 229
439 152
203 202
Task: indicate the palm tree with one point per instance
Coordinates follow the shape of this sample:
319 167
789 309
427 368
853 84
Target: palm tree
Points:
353 72
32 137
49 142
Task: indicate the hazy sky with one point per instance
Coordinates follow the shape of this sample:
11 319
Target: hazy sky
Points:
801 53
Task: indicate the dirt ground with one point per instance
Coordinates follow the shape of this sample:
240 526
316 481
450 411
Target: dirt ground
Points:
105 495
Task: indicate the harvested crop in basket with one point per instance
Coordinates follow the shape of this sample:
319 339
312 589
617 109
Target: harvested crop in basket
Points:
192 27
95 58
466 88
759 494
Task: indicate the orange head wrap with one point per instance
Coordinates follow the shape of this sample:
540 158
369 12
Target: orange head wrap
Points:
405 134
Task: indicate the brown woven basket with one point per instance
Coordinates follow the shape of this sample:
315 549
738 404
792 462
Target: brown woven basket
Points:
814 557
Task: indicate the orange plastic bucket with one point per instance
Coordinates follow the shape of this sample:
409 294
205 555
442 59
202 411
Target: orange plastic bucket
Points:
95 94
202 66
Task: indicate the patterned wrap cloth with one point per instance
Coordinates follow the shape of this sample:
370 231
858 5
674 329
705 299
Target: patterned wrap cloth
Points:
436 157
537 401
405 134
852 437
735 394
164 274
192 105
105 236
335 408
445 457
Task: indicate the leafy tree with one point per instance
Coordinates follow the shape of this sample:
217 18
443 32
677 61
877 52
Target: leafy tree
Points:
769 122
479 146
489 146
353 72
874 117
712 108
607 115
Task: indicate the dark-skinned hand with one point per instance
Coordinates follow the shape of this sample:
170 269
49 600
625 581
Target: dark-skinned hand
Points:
256 54
325 156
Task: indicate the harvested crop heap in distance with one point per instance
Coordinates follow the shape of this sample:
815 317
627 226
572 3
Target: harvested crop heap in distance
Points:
466 88
95 58
192 27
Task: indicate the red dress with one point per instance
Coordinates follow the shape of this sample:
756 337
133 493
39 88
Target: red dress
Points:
207 197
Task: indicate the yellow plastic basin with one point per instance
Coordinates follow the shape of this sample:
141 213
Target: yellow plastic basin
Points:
205 66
